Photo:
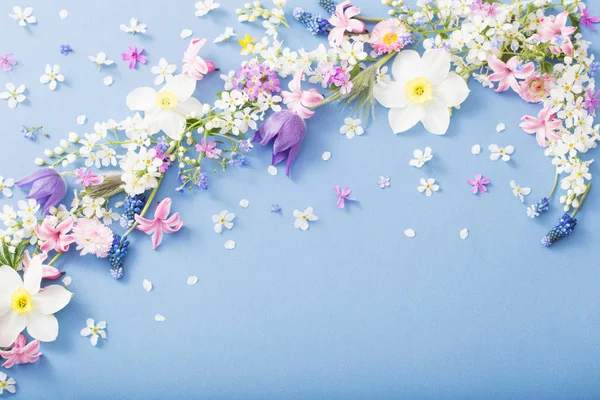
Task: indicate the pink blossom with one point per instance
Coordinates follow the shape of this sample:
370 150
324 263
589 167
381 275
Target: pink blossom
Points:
57 237
390 35
556 30
536 88
587 20
6 63
592 102
21 352
161 222
92 237
544 126
478 184
298 100
343 194
86 177
134 56
210 149
48 271
193 65
343 22
508 73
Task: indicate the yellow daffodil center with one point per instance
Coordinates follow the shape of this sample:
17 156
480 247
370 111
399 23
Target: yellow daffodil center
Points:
390 38
166 100
21 301
419 91
3 385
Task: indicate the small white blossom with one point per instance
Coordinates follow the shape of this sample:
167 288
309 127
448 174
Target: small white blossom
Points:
223 219
134 27
5 186
101 60
52 76
383 182
303 218
225 36
519 191
420 157
500 152
94 331
163 71
428 186
13 94
204 7
7 384
24 16
352 127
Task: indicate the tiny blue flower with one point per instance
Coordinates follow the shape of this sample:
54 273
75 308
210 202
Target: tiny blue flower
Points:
65 49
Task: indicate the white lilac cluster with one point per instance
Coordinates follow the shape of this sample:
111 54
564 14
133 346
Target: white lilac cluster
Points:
272 18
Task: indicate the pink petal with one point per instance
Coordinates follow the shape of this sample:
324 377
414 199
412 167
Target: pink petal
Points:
157 238
163 209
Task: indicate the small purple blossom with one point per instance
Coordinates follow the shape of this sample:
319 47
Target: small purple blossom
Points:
592 101
594 68
275 209
245 145
65 49
162 144
588 20
45 186
343 194
202 183
6 62
134 56
255 79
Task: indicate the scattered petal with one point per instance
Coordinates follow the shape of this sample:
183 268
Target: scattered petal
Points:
108 80
192 280
464 233
272 170
63 14
147 285
159 318
476 149
500 127
229 245
410 233
326 156
244 203
81 120
67 280
186 33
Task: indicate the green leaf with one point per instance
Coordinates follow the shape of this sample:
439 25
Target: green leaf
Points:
15 259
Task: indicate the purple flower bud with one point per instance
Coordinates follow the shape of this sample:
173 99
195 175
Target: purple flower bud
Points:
286 130
46 186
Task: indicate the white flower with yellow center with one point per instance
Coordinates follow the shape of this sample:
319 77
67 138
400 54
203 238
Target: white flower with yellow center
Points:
167 109
24 305
52 76
424 90
94 331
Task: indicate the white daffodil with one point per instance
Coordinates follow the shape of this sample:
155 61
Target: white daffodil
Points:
204 7
224 37
24 305
167 109
424 90
134 27
94 331
163 71
352 127
303 218
519 191
500 152
7 384
421 157
13 94
223 219
52 76
5 185
101 60
24 16
428 186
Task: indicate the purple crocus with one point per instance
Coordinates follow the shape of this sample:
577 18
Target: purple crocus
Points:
287 130
588 20
46 186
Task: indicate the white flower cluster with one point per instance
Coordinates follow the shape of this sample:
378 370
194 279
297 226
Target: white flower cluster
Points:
271 18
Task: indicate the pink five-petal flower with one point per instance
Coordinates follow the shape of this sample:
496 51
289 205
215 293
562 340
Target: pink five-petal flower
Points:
57 237
544 126
342 21
588 20
549 29
48 271
194 65
86 177
343 194
6 63
508 73
161 223
134 56
298 100
478 184
210 149
21 352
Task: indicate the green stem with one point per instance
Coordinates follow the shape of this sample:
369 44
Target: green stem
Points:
369 19
55 258
553 187
582 200
146 207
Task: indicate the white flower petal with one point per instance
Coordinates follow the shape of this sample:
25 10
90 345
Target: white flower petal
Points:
392 95
326 156
409 233
244 203
94 340
464 233
435 66
402 119
452 91
81 119
11 325
51 300
229 245
42 327
159 318
147 285
10 280
63 14
476 149
407 65
108 80
192 280
436 117
186 33
272 170
500 127
142 99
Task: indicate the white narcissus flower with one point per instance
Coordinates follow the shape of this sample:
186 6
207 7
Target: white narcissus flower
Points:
52 76
352 127
24 305
101 60
500 152
134 27
7 384
428 186
519 191
223 219
167 109
223 37
94 331
24 16
204 7
304 217
424 90
163 71
421 157
13 94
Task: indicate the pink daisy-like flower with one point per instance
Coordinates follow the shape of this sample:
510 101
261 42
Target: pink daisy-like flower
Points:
92 237
390 35
134 56
536 88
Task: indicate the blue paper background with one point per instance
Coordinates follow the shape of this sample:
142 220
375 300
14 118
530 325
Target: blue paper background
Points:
350 309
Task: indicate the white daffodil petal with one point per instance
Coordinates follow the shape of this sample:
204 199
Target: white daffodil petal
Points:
437 119
11 325
435 66
32 278
182 86
402 119
142 99
51 300
392 95
42 327
9 279
452 91
407 65
171 123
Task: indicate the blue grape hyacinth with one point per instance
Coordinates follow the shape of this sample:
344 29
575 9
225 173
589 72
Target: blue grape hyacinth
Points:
117 254
132 205
534 210
315 24
563 228
328 5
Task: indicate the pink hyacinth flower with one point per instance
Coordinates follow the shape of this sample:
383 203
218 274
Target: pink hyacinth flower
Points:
549 29
478 184
134 56
57 237
343 195
342 21
298 100
508 73
161 223
48 271
21 352
194 65
544 126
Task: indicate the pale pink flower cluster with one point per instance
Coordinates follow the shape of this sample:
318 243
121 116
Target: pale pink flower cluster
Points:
92 237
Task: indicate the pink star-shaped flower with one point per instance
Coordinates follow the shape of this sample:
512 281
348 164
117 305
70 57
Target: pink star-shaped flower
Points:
478 184
21 352
545 126
161 223
57 237
134 56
